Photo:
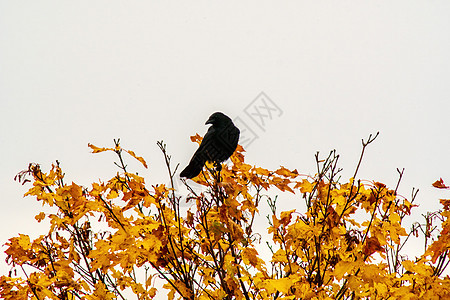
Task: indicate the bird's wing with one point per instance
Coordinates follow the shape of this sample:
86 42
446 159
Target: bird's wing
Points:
207 139
201 154
229 138
235 138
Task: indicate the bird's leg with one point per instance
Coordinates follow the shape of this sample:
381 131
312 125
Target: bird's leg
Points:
219 178
218 167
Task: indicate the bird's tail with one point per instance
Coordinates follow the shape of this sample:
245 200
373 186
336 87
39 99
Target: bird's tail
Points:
193 169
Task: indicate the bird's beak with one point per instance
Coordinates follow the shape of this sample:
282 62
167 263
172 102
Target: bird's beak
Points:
210 121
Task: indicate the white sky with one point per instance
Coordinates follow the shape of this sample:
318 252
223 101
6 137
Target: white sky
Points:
79 72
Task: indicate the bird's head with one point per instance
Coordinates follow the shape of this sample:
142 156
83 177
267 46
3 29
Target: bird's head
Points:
218 119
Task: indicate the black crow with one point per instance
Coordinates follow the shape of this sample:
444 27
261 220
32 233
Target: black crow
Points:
218 144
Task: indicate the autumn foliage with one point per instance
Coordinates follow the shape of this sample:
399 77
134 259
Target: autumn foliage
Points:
121 238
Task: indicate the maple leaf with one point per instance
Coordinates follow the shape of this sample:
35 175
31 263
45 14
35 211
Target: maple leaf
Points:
343 267
440 184
283 285
40 216
445 203
261 171
207 251
371 246
437 248
280 256
250 256
140 159
196 138
190 218
96 149
305 186
286 172
285 217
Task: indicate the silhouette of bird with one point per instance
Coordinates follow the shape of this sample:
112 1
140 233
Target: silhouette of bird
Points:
218 145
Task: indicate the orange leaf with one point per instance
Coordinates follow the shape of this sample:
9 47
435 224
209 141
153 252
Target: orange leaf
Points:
305 186
437 248
96 149
250 256
190 218
445 203
372 245
286 216
261 171
196 138
24 241
286 172
138 158
440 184
40 217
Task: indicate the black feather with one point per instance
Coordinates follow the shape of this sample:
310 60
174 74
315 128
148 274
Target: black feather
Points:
217 146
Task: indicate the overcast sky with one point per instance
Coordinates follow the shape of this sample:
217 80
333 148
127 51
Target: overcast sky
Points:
331 73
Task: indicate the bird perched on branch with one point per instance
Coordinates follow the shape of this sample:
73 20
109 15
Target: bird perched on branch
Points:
217 145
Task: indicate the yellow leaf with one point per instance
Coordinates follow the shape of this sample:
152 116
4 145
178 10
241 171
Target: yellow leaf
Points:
101 292
283 285
305 186
181 287
261 171
152 292
286 172
394 218
24 241
40 216
250 256
280 256
75 190
408 265
341 268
